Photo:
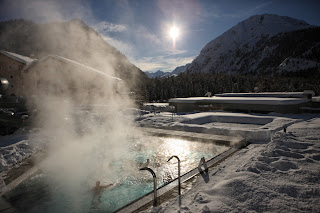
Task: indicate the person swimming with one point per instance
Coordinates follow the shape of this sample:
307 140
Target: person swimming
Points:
97 195
99 187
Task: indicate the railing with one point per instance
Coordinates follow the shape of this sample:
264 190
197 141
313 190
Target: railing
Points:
154 184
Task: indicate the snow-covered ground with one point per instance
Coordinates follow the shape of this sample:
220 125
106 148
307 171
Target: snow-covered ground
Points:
17 147
276 175
276 172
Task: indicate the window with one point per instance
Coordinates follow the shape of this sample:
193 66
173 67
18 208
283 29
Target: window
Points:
10 67
0 67
20 67
11 76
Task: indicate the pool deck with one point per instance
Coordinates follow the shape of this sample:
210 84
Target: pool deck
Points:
219 139
6 207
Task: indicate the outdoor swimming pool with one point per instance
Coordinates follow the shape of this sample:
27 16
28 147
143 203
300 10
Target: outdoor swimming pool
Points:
40 194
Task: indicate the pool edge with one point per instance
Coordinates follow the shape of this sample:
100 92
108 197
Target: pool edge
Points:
148 198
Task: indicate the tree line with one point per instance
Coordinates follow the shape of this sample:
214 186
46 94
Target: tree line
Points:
198 84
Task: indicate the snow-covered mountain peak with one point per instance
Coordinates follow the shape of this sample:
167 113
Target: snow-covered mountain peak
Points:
252 29
242 38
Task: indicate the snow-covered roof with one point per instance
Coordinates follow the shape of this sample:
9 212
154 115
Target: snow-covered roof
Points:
155 104
23 59
240 100
316 99
264 94
76 64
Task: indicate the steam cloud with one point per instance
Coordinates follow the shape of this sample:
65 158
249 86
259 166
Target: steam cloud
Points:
79 110
82 113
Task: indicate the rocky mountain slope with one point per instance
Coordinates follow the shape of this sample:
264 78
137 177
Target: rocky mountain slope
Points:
74 40
157 74
261 44
161 74
180 69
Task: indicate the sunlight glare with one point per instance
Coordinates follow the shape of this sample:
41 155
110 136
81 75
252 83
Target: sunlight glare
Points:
174 33
178 147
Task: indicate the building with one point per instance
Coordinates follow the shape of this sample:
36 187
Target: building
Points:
247 102
11 67
61 77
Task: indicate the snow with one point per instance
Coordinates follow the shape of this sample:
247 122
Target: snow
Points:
222 53
265 94
291 64
278 175
18 147
69 61
15 56
276 172
179 69
316 99
241 100
157 74
156 104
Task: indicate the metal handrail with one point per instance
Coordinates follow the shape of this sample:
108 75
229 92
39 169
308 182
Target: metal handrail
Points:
154 185
179 180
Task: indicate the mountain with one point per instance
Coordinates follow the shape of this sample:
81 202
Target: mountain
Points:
180 69
260 44
161 74
72 39
157 74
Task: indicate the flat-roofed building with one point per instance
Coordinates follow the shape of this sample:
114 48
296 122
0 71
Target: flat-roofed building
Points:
245 102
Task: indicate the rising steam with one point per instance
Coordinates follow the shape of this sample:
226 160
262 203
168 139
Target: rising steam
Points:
81 112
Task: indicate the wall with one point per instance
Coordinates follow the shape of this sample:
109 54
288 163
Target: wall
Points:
12 74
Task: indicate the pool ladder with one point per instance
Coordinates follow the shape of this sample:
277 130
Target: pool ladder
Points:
154 184
155 203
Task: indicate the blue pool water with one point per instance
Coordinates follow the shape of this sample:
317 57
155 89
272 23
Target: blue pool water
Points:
37 195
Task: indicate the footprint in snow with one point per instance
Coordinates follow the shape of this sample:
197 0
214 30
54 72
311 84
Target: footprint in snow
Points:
284 165
268 159
316 157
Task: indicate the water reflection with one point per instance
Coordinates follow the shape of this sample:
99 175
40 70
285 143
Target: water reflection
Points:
159 149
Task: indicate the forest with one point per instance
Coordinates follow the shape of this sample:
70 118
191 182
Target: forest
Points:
198 84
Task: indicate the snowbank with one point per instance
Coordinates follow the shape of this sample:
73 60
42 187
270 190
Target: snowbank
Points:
18 147
279 176
252 127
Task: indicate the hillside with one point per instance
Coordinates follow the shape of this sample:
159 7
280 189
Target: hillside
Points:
74 40
161 74
261 44
180 69
157 74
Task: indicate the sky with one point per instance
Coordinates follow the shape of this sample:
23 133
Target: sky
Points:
141 29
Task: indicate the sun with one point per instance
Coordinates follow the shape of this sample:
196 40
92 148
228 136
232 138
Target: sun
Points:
174 33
